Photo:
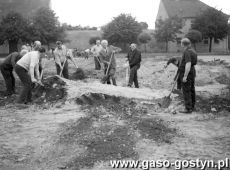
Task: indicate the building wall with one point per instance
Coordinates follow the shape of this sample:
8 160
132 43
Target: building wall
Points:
222 46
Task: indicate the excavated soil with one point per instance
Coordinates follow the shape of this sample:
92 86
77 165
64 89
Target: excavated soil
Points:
52 91
111 130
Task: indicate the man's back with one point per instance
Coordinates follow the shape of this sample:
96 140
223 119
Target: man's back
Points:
27 59
11 59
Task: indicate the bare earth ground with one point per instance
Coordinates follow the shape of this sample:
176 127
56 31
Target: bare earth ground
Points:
83 124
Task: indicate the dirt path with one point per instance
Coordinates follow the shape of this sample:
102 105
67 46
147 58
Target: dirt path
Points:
112 125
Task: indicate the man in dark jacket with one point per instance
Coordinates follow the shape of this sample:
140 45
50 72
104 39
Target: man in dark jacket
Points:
187 74
7 67
134 58
107 57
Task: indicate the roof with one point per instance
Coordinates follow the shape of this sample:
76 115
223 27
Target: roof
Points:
184 8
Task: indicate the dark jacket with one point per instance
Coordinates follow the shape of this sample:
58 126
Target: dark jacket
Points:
11 60
105 55
189 55
134 58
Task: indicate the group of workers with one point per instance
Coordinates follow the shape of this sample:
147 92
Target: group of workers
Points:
104 54
28 66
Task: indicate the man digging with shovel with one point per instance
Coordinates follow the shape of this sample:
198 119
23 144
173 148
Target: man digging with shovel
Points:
61 55
185 77
27 69
107 57
187 74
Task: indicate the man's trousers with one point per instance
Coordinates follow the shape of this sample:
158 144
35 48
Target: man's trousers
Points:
65 71
97 63
26 93
8 76
189 93
133 76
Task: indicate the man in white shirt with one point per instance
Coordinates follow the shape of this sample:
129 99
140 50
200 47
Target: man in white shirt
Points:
27 69
96 50
61 55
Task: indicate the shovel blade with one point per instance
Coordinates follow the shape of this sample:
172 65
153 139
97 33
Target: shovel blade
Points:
165 102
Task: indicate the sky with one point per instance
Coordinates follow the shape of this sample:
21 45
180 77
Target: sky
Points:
99 12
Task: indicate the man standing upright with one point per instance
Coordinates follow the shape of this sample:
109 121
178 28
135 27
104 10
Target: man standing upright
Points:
107 57
61 55
7 67
187 74
134 58
95 50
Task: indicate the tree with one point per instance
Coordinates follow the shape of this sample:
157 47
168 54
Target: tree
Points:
194 36
93 40
144 38
167 30
47 26
12 29
213 24
144 25
122 30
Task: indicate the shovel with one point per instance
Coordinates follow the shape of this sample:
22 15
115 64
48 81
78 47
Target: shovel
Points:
167 100
60 74
105 78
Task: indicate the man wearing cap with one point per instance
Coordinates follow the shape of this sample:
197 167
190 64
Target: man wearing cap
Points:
134 58
187 74
95 50
7 67
175 61
27 69
107 57
61 55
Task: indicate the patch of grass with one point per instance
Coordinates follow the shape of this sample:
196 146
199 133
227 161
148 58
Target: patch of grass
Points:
80 39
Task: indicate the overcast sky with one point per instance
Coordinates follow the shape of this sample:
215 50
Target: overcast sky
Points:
99 12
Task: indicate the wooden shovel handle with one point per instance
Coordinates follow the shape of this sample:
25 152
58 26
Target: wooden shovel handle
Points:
62 67
107 71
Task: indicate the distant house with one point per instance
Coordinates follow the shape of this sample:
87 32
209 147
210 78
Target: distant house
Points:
188 10
24 7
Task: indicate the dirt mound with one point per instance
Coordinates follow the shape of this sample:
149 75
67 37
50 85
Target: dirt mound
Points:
119 106
111 130
223 79
156 129
79 74
52 91
107 144
4 100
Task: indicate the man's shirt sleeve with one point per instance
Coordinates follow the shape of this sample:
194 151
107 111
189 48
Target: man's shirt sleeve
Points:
187 57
